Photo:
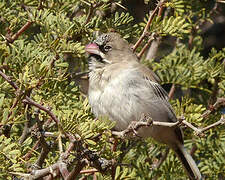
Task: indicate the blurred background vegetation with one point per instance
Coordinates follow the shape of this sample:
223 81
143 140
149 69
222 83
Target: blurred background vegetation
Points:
45 119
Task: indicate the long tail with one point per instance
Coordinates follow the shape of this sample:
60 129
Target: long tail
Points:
188 163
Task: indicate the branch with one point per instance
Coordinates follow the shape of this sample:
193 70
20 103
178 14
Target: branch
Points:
45 147
35 174
9 80
172 90
145 32
27 124
76 171
219 103
152 37
221 121
147 121
28 100
91 10
162 159
16 35
29 153
89 171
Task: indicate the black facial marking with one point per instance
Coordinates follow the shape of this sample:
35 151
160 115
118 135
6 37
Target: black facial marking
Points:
95 57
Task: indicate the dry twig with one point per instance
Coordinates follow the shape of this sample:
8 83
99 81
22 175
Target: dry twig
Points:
145 32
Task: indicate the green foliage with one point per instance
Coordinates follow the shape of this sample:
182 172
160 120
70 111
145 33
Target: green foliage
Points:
43 62
10 154
175 26
182 66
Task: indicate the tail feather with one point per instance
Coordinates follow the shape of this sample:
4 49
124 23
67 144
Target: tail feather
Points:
188 163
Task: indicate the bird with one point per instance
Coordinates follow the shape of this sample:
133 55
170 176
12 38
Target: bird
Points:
123 89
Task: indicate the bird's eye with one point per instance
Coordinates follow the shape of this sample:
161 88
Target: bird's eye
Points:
107 48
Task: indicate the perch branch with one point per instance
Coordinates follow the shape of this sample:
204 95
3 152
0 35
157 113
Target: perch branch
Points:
134 126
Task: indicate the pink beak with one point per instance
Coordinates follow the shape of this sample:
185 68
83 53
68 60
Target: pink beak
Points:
92 49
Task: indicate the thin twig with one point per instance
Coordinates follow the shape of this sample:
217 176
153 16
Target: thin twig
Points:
221 121
152 15
76 171
136 125
26 126
164 156
172 90
90 11
197 131
193 149
29 100
39 106
88 171
29 153
161 8
16 35
219 103
35 174
9 80
152 37
45 147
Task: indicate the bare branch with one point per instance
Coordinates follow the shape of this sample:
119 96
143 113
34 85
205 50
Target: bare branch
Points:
152 37
163 158
9 80
63 169
219 103
39 106
147 121
220 122
197 131
29 153
16 35
76 171
172 90
88 171
35 174
145 32
45 147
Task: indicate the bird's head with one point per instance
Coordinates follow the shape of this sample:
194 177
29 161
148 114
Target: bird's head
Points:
108 48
